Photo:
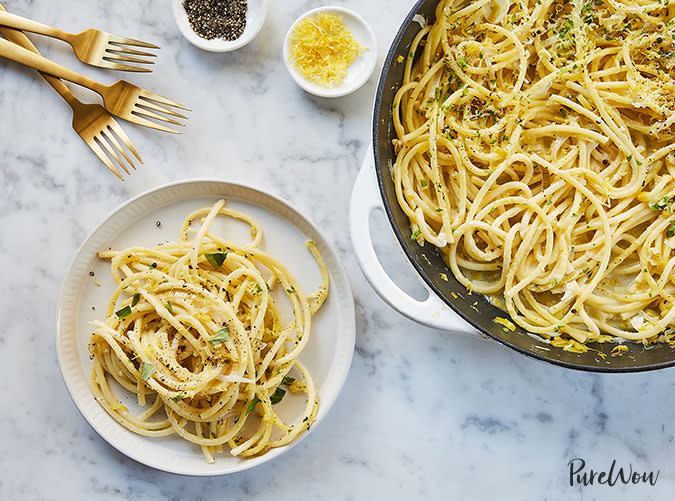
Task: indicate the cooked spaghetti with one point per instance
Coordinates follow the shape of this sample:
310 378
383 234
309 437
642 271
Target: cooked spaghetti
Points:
193 329
536 150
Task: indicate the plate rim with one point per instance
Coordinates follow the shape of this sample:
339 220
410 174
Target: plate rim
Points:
348 330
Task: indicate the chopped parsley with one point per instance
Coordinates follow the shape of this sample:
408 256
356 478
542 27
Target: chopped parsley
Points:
220 337
169 307
124 312
135 299
660 205
277 396
287 380
252 404
147 371
415 235
216 259
178 397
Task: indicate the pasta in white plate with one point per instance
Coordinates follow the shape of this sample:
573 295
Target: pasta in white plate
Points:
536 151
194 330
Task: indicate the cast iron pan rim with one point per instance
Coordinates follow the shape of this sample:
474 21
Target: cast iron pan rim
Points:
402 241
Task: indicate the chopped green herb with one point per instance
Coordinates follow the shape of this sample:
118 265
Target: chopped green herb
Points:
220 337
290 290
147 370
462 62
178 397
671 232
124 312
277 396
216 259
252 404
135 299
287 380
169 307
415 235
439 209
661 204
423 183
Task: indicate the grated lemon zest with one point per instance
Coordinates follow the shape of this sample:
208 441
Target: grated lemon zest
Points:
506 323
322 49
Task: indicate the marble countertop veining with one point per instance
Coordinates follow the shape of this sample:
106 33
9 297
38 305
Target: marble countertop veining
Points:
424 414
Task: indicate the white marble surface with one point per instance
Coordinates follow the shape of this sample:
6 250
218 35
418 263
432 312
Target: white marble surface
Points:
424 415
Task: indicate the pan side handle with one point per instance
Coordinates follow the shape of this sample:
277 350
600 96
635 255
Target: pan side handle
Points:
432 312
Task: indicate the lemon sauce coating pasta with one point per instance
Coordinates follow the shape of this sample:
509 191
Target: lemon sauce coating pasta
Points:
535 149
194 331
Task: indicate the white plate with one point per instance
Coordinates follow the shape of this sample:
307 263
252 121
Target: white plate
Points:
327 356
255 18
358 72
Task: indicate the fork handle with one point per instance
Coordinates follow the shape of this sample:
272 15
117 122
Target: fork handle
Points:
20 39
12 51
21 23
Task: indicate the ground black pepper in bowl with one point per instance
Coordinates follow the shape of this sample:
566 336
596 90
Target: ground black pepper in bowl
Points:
224 19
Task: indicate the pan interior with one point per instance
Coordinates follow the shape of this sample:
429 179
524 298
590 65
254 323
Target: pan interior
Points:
475 308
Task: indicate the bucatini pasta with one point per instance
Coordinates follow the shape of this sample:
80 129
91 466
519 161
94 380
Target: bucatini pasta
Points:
193 329
535 149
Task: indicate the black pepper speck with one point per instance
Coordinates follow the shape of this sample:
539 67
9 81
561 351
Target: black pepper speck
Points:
224 19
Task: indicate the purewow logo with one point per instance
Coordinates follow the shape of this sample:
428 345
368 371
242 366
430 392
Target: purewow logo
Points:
579 475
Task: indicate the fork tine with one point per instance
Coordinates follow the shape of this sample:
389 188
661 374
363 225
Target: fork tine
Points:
138 119
155 107
122 67
151 96
125 59
131 41
106 145
126 50
124 138
113 140
156 116
103 158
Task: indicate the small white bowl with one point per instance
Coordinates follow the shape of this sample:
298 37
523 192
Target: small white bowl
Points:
358 72
255 18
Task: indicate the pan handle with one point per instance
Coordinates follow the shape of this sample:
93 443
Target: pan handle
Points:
432 312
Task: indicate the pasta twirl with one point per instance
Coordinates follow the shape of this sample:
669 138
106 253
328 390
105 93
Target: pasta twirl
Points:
193 329
535 148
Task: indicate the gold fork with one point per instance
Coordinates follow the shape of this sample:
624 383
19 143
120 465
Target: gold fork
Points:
91 46
123 99
93 124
